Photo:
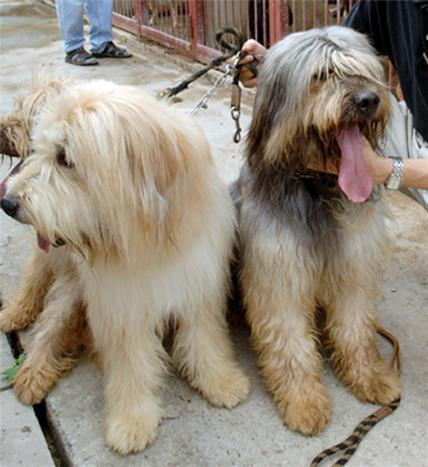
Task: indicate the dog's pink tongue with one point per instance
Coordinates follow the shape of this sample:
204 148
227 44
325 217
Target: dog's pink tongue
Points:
42 242
354 178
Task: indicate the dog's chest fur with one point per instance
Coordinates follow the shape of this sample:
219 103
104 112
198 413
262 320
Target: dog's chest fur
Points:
307 206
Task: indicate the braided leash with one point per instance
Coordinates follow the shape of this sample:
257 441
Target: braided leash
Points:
184 84
232 69
233 50
351 444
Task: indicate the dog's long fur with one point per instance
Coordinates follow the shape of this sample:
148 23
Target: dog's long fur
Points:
304 245
130 188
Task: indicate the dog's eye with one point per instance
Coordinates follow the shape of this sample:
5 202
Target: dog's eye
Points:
322 75
62 160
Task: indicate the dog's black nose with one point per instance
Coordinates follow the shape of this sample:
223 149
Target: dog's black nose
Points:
10 206
367 102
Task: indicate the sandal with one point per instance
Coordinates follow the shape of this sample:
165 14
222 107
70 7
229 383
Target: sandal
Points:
80 57
111 50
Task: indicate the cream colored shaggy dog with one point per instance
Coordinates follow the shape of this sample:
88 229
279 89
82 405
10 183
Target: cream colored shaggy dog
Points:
128 189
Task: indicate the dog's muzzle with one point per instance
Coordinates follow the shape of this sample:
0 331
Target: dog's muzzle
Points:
367 102
10 206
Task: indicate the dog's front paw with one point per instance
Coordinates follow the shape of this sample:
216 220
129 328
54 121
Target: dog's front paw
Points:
228 389
306 411
15 318
131 432
378 384
31 385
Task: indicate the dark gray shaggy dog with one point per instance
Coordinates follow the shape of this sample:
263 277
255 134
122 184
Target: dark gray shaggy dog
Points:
311 240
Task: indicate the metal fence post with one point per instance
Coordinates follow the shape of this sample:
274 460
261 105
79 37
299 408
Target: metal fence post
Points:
196 13
139 15
278 20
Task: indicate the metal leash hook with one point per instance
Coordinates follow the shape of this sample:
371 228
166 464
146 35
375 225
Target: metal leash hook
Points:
235 101
235 111
218 83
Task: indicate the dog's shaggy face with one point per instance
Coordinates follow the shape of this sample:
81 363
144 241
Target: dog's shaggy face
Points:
100 153
318 91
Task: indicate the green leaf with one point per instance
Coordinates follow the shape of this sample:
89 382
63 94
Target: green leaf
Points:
10 373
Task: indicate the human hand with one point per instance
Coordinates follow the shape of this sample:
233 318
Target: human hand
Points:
378 167
255 52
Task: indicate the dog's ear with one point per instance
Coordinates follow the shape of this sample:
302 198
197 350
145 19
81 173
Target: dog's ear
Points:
274 126
159 151
14 136
130 151
269 104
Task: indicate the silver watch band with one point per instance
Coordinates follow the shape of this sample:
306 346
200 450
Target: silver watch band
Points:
395 180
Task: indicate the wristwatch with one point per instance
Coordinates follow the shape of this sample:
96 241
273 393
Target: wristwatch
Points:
395 180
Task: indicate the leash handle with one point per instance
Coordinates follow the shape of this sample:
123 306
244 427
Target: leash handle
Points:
235 49
227 45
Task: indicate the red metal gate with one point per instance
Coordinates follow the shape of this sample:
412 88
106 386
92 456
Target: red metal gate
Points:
189 26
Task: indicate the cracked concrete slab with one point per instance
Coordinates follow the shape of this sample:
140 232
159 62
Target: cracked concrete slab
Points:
194 433
21 440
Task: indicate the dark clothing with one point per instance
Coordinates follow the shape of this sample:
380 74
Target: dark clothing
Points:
399 30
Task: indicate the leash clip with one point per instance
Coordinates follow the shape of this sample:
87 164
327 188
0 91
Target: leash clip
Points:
235 111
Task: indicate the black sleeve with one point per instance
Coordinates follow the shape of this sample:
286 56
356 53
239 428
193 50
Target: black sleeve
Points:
399 29
367 17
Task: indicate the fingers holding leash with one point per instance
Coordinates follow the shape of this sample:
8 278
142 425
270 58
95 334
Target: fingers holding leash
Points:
248 65
253 49
247 78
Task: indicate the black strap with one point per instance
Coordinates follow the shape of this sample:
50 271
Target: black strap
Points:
231 51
